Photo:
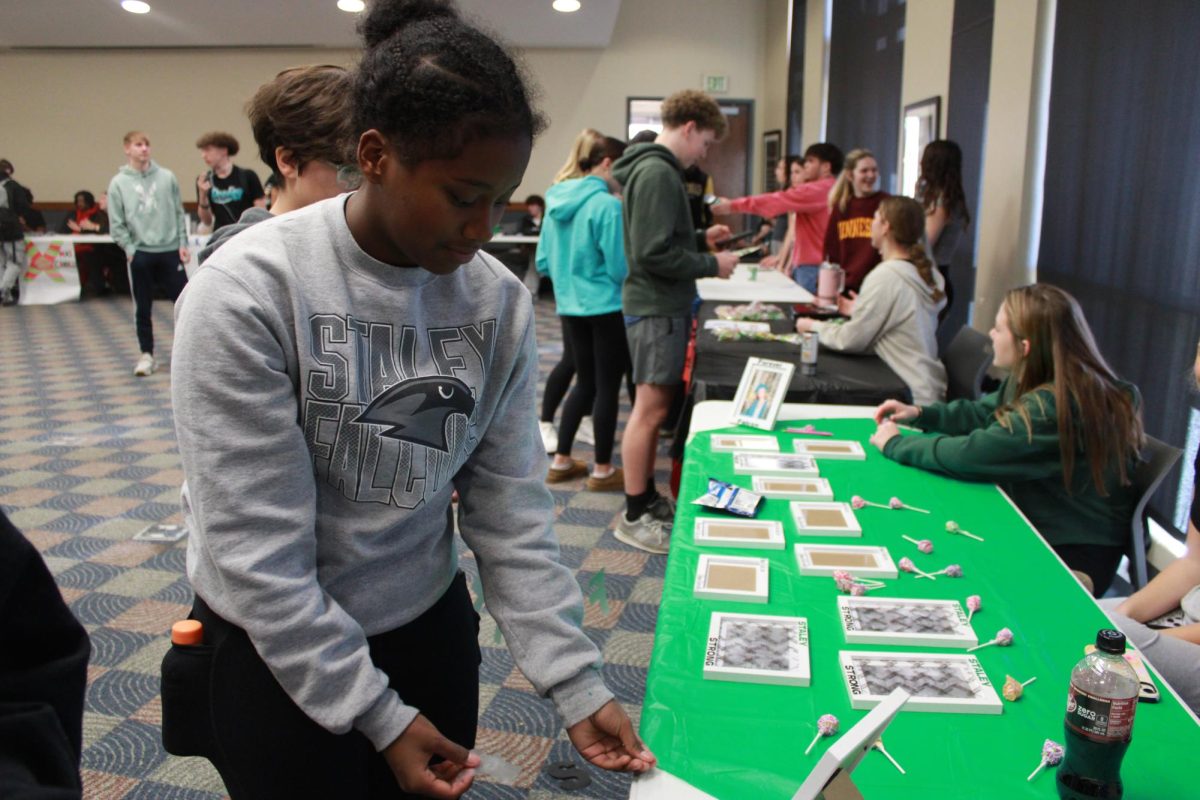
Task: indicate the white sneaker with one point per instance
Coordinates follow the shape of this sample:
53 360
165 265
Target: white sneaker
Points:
549 436
145 366
644 533
586 433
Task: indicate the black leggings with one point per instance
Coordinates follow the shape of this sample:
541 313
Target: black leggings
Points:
1099 562
559 379
145 271
945 270
264 746
602 359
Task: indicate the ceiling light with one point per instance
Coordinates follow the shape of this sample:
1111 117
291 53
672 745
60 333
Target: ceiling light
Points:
135 6
353 6
565 6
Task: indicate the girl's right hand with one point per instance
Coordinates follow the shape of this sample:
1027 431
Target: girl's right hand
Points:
895 411
409 757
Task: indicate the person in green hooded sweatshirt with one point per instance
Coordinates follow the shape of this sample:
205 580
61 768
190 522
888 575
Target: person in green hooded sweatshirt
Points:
146 221
1061 435
666 255
582 249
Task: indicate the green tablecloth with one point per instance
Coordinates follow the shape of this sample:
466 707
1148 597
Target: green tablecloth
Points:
742 740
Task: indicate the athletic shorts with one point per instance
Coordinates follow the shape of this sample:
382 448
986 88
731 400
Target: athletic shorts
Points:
658 348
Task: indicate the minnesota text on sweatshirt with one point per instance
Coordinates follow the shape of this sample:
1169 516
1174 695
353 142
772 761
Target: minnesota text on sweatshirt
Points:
327 405
582 247
974 446
144 210
810 203
664 251
895 317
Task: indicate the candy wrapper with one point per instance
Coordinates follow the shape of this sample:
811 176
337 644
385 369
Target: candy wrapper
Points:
737 336
730 498
756 312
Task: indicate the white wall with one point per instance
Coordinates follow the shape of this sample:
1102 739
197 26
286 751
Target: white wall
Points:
773 110
66 115
816 63
928 27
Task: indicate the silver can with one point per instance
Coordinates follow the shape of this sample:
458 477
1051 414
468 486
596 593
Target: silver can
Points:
808 352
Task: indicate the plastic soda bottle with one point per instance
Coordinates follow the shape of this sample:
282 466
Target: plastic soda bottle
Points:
1099 723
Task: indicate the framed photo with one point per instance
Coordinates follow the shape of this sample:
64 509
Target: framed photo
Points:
949 683
761 391
732 578
859 560
825 519
894 620
772 152
733 443
756 648
832 448
920 124
785 466
809 489
761 534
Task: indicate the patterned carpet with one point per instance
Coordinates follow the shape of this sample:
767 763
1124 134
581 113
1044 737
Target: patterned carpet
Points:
88 459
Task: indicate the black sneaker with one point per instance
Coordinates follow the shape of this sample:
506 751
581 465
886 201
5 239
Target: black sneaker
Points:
663 510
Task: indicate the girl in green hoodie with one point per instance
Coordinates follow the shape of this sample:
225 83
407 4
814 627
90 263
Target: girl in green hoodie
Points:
1060 436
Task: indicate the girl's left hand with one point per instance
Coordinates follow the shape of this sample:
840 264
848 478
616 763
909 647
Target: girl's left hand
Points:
884 433
607 739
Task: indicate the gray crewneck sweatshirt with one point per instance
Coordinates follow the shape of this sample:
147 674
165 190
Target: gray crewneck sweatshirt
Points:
327 405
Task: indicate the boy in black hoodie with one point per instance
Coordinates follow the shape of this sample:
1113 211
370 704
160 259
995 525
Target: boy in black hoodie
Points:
666 254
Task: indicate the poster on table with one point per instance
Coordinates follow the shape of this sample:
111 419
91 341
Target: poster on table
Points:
50 274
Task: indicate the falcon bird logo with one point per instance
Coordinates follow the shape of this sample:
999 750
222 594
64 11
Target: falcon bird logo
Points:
416 410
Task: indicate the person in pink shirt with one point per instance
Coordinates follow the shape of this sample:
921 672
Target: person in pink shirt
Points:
809 201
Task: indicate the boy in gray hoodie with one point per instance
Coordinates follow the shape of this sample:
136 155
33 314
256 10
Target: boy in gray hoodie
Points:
146 220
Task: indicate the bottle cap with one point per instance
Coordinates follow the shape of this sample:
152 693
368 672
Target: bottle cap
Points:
1110 641
187 631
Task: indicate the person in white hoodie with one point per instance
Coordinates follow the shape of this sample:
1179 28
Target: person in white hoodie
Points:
895 314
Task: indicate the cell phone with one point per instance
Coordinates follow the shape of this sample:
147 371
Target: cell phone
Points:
737 237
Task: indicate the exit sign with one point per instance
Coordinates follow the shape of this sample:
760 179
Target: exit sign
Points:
716 84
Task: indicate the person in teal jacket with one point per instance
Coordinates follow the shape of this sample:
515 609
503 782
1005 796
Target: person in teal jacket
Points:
1061 435
582 250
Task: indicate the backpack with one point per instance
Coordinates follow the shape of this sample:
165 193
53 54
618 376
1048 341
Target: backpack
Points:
14 201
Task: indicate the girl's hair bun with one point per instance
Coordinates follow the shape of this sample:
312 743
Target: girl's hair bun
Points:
384 18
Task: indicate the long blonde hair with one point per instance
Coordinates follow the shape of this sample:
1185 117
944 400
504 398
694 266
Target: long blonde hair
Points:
843 190
1094 413
906 224
580 149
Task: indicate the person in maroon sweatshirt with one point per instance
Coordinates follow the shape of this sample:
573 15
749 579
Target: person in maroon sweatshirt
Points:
852 205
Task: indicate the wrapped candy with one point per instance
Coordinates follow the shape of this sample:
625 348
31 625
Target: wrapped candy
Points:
1003 638
950 571
1052 754
897 503
953 527
859 502
827 725
852 585
924 545
1013 688
907 565
974 603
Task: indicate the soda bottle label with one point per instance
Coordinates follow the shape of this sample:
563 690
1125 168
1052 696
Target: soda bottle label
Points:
1100 719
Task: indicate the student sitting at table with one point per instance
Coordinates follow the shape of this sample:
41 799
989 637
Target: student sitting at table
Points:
1174 651
895 315
1060 436
88 218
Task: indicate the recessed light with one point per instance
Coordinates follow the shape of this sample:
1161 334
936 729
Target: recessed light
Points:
565 6
135 6
353 6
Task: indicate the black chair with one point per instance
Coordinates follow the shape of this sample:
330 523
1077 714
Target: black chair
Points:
966 359
1157 460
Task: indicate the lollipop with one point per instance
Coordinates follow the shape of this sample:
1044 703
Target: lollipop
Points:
951 571
879 746
854 586
897 503
1052 753
1013 689
924 545
974 603
907 565
858 502
952 527
827 725
1004 638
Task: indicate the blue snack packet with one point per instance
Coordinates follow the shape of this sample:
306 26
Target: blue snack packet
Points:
730 498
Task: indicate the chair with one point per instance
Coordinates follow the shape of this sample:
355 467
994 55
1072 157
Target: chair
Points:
1157 460
967 358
